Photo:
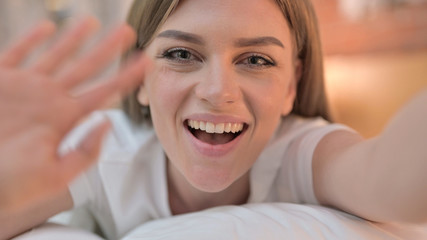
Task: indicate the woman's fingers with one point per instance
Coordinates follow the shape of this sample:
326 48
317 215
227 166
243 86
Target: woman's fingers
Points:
66 46
76 161
128 78
18 52
122 38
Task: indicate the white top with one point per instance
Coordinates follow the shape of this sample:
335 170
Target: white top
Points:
128 186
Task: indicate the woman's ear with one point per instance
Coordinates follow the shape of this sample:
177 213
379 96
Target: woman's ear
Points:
143 96
291 91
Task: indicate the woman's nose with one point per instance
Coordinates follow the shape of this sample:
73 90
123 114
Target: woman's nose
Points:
219 87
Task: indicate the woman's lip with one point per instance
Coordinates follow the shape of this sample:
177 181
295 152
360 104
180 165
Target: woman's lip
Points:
211 150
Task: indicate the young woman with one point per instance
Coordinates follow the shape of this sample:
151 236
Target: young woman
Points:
232 111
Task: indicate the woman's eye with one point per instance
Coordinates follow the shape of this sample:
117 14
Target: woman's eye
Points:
179 54
182 54
258 61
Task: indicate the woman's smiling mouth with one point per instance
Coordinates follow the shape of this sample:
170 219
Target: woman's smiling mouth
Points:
215 133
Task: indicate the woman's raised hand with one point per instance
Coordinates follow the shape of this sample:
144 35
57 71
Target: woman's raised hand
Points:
37 108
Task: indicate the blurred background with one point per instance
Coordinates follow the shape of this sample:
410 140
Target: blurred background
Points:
375 58
375 50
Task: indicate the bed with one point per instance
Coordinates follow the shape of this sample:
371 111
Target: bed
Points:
252 221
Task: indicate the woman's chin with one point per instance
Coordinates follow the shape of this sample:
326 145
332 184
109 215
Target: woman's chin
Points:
210 181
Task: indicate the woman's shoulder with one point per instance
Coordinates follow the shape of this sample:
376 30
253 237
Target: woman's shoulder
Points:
294 126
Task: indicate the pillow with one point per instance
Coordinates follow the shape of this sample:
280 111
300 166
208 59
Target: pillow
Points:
266 221
53 231
269 221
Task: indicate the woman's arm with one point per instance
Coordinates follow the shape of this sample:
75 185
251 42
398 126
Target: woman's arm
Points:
38 107
382 179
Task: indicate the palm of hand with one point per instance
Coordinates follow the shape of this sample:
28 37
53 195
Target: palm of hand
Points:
39 113
37 110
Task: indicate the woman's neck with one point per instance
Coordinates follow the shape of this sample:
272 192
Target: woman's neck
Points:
184 198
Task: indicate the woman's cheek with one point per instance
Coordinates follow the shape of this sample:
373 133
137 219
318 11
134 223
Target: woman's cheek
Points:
167 89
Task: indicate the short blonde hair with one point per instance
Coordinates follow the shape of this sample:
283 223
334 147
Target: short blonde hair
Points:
147 16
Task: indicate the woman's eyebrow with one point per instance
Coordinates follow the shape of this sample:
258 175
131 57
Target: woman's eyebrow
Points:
258 41
183 36
241 42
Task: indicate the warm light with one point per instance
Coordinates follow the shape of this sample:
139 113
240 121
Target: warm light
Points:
365 91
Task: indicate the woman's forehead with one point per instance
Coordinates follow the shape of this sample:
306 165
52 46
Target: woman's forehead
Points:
247 17
258 8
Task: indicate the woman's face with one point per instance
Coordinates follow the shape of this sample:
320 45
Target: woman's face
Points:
224 73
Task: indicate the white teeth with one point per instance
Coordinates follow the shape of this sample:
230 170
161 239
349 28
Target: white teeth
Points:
202 126
219 128
196 124
235 128
227 127
210 127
